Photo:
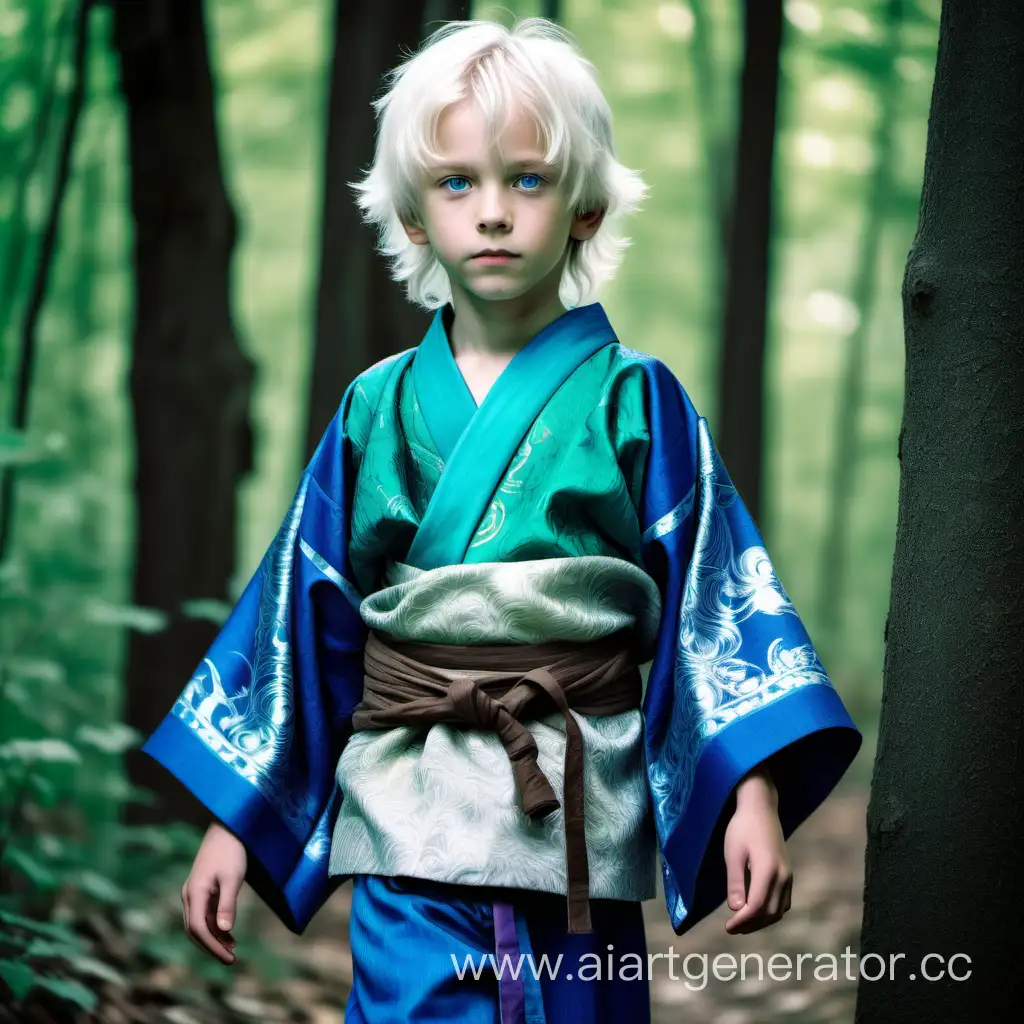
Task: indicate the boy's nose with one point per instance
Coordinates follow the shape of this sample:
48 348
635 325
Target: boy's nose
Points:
494 211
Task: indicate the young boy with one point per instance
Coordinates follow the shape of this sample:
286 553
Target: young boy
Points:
517 635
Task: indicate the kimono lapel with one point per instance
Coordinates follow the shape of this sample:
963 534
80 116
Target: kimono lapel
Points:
445 400
477 444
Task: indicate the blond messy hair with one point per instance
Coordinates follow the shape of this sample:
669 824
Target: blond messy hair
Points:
536 66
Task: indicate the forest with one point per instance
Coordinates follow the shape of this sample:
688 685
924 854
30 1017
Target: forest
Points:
186 290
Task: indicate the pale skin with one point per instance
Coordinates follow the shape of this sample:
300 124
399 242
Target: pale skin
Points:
509 199
754 840
476 200
209 896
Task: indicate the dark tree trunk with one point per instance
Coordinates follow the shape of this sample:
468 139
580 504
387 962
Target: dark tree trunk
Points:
437 11
190 382
45 49
718 164
361 314
945 815
739 421
551 9
47 248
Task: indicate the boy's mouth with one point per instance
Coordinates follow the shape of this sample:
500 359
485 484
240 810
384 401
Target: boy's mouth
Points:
495 260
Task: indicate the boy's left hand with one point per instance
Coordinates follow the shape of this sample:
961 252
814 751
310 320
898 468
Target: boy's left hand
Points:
754 836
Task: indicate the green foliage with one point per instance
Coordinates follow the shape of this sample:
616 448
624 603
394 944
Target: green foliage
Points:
15 449
21 978
208 609
65 608
59 947
17 922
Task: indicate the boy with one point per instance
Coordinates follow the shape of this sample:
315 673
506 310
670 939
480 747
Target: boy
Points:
433 683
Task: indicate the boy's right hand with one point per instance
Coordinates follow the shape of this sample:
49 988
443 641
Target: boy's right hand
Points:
210 893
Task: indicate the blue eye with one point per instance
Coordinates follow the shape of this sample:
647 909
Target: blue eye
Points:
450 180
539 181
456 178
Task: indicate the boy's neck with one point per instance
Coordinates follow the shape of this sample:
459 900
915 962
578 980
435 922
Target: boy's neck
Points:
484 328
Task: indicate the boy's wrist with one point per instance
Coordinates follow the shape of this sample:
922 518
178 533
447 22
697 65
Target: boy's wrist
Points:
757 786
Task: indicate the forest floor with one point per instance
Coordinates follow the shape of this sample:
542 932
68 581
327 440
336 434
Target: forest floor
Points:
311 973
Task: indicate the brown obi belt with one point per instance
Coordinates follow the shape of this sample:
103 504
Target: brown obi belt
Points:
412 683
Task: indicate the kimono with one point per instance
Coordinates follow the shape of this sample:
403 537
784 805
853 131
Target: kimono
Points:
583 496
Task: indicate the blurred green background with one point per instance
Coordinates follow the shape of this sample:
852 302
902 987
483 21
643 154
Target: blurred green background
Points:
66 582
74 528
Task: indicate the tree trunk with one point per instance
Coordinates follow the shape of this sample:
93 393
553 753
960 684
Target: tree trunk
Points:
47 249
739 427
551 9
45 50
944 819
190 382
717 157
361 314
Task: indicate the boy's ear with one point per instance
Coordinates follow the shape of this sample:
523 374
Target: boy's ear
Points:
416 234
585 225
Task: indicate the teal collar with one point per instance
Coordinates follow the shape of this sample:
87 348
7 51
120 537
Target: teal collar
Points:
478 443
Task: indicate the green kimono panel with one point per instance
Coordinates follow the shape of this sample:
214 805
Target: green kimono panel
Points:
514 522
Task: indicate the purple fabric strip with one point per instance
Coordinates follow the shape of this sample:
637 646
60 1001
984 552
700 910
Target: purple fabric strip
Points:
506 943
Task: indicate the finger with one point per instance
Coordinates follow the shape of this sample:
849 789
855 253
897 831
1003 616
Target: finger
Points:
762 883
751 921
222 935
740 922
186 910
775 906
227 890
777 898
199 930
736 870
787 901
195 942
747 918
206 950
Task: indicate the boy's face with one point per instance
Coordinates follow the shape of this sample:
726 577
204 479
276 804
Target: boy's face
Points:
475 200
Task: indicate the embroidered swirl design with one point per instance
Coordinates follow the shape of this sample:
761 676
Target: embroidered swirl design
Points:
728 596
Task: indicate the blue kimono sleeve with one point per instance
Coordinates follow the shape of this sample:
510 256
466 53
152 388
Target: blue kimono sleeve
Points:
257 731
735 679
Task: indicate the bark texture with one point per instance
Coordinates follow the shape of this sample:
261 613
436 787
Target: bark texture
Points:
361 314
945 814
190 381
739 421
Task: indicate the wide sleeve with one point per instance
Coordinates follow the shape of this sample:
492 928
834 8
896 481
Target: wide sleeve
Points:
735 679
257 731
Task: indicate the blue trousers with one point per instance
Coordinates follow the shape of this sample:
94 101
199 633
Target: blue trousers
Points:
412 938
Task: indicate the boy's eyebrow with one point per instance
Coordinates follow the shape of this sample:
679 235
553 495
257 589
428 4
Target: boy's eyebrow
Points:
537 161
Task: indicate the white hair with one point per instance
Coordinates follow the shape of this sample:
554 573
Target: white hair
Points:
535 66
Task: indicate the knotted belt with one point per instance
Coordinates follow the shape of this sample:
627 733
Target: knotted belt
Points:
413 683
